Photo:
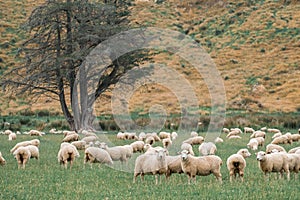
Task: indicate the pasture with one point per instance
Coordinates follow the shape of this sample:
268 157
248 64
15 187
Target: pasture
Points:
46 179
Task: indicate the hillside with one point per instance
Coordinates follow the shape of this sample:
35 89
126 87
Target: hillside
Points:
254 44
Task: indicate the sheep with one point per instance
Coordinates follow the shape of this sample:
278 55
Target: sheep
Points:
155 136
35 142
128 150
2 160
66 133
87 133
207 148
89 139
270 147
236 164
12 136
294 163
276 135
233 133
120 136
35 133
97 155
80 145
225 130
263 128
188 147
252 144
293 150
167 142
130 136
116 153
163 135
295 137
150 140
248 130
194 140
203 166
174 165
152 150
289 136
54 131
138 146
174 135
154 164
258 134
22 155
142 136
194 134
218 140
236 129
297 152
277 162
280 140
34 151
71 138
235 137
7 132
273 130
67 153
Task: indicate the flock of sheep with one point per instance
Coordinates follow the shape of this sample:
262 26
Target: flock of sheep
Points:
154 159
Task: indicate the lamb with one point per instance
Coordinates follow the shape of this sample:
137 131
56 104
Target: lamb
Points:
22 155
138 146
80 145
35 142
71 138
174 165
271 147
236 164
167 142
207 148
116 153
188 147
163 135
253 144
97 155
203 166
67 153
293 150
12 136
276 162
194 140
174 135
281 140
248 130
258 134
34 151
35 133
153 164
2 160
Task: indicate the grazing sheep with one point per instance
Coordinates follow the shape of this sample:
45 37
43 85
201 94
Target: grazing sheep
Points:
130 136
153 164
155 136
163 135
289 136
194 140
2 160
167 142
273 130
174 165
280 140
236 164
248 130
219 140
116 153
12 136
194 134
152 150
235 137
225 130
271 147
174 135
142 136
202 166
35 133
97 155
150 140
188 147
7 132
236 129
54 131
22 155
34 142
34 151
294 163
66 133
138 146
129 150
89 139
67 153
258 134
71 138
293 150
295 137
121 136
275 162
80 145
263 128
261 141
207 148
253 144
276 135
233 133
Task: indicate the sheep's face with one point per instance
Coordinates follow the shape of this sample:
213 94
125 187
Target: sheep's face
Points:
260 156
161 154
146 147
103 145
184 154
245 153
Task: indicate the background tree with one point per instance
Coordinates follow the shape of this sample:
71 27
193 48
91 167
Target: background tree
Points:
61 34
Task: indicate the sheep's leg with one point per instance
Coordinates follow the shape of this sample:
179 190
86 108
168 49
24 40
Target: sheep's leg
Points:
189 179
288 174
156 179
242 176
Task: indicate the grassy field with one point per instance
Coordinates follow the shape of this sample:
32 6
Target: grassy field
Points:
45 179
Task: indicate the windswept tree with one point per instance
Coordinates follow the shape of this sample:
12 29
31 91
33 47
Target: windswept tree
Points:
61 34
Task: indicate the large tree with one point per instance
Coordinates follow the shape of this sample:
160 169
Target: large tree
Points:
61 34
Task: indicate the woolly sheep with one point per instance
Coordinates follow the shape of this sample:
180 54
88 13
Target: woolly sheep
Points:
297 152
2 160
152 150
163 135
67 153
289 136
22 155
66 133
233 133
121 136
295 137
294 163
194 140
225 130
137 146
12 136
155 136
87 133
129 150
80 145
293 150
253 144
150 140
7 132
194 134
188 147
71 138
35 133
236 164
35 142
116 153
174 135
276 135
277 162
207 148
89 139
273 130
236 129
174 165
270 147
219 140
130 136
280 140
202 166
248 130
261 141
54 131
153 164
34 151
142 136
167 142
235 137
97 155
258 134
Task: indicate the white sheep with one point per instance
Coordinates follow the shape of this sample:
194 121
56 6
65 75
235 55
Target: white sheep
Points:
188 147
116 153
258 134
235 137
194 140
130 136
153 164
219 140
236 164
35 133
66 132
295 137
138 146
276 135
12 136
236 129
80 145
271 147
274 162
2 160
121 136
54 131
167 142
67 153
194 134
35 142
97 155
163 135
253 144
22 155
34 151
289 136
294 163
207 148
152 150
149 140
273 130
7 132
174 165
248 130
71 138
174 135
225 130
283 139
89 139
293 150
142 136
202 166
234 132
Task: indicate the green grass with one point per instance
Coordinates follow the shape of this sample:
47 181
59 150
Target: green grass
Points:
45 179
